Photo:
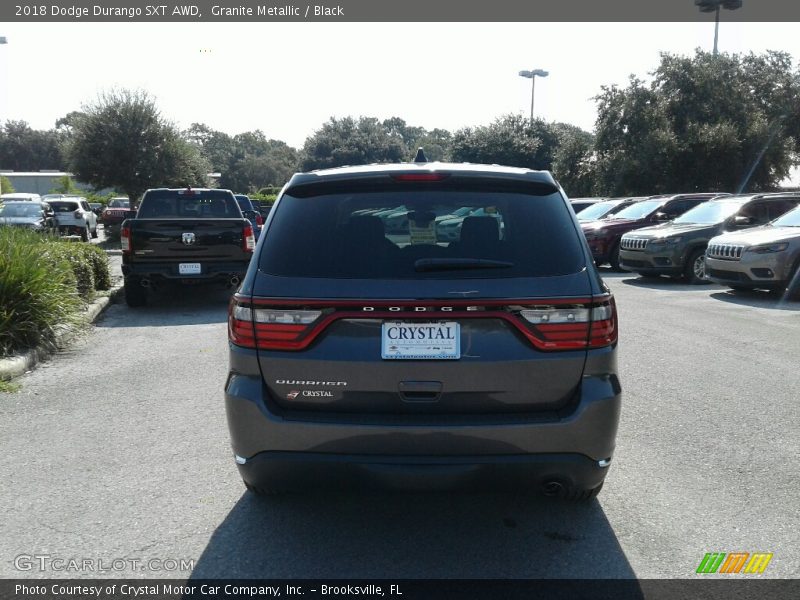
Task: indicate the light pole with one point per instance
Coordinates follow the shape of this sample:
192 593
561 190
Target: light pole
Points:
532 76
3 40
714 6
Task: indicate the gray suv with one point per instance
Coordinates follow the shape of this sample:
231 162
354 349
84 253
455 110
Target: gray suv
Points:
678 248
361 356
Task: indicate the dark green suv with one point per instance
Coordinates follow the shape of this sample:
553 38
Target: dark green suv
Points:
678 248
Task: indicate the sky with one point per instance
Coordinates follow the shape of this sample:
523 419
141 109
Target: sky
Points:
287 79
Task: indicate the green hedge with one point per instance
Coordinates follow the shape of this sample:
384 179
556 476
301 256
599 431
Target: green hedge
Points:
44 282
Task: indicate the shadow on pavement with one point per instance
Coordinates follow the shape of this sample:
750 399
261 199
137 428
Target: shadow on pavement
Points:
665 283
173 305
758 299
437 535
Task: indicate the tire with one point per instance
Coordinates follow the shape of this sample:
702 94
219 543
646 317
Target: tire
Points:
792 289
613 258
694 272
135 294
86 234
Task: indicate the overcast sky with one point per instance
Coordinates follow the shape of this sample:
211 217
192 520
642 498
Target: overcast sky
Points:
288 78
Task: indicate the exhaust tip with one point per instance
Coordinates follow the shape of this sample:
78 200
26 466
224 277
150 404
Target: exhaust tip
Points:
553 488
234 281
146 283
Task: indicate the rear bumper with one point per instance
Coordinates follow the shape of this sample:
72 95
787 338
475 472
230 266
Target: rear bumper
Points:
297 470
169 271
484 450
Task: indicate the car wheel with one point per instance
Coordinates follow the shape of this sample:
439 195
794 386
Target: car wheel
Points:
792 290
86 234
613 258
135 294
695 270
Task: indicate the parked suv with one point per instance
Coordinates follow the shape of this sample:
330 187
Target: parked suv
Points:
74 215
30 214
360 357
604 235
115 213
606 208
678 248
763 257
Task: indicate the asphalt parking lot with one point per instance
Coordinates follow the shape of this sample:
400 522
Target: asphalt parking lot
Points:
118 449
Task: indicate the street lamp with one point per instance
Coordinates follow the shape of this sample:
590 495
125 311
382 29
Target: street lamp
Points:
714 6
3 40
532 76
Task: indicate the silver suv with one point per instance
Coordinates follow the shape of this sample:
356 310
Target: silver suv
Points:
764 257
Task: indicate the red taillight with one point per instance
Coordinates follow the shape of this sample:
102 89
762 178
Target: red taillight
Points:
125 240
549 325
259 219
251 326
248 239
420 176
590 325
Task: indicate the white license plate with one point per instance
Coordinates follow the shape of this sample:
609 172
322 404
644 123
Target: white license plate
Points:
421 341
189 268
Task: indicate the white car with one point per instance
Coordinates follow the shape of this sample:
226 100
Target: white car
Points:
74 215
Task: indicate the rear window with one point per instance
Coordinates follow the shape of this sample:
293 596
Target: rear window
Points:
244 203
422 234
181 204
63 206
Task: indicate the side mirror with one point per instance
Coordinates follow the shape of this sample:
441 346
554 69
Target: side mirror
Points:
742 221
661 217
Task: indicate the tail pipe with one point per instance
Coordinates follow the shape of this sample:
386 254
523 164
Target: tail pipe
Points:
234 281
146 283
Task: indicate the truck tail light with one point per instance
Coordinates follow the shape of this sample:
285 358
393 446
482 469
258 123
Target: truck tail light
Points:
125 240
259 219
248 239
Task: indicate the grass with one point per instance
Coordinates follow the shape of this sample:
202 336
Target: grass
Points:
9 387
44 284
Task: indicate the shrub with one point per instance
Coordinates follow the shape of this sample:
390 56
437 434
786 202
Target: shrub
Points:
73 254
37 290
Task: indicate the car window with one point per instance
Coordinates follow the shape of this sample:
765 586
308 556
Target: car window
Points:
401 235
709 212
179 204
790 219
639 210
596 211
64 206
777 207
758 211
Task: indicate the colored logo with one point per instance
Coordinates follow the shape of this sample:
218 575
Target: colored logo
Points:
734 562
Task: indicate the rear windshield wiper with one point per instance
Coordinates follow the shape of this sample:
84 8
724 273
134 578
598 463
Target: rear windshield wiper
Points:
447 264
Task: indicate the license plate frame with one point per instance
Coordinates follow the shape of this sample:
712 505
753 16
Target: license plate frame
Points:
190 268
441 341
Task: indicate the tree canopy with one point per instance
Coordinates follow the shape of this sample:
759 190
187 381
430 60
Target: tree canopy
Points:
700 124
121 141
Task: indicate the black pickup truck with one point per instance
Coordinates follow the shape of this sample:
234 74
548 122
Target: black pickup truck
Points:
184 235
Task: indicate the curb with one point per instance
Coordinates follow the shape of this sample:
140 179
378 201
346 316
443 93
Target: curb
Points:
20 364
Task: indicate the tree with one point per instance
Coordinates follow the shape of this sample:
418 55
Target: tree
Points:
573 160
5 185
121 141
26 149
348 141
700 125
512 140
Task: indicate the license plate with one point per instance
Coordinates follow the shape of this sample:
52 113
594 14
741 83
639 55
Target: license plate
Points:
421 341
189 268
